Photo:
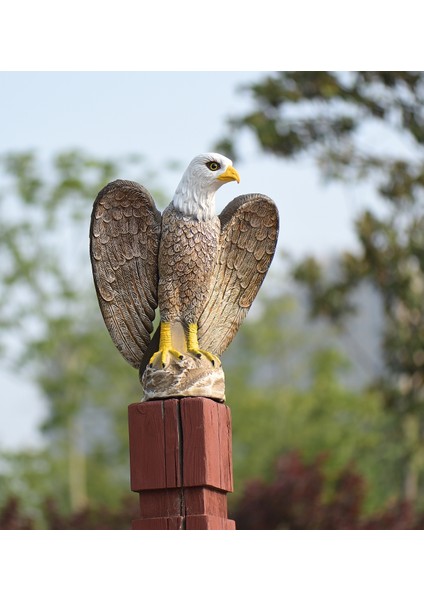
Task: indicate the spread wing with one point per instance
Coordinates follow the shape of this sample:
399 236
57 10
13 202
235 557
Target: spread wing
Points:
249 231
124 243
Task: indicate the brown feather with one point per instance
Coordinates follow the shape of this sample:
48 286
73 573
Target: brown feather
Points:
124 243
249 231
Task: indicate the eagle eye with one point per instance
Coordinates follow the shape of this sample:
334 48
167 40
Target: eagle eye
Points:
213 165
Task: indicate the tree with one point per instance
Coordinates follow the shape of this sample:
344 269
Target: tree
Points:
286 387
53 333
297 497
328 116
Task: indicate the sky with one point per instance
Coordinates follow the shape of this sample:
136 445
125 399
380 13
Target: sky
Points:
170 116
165 116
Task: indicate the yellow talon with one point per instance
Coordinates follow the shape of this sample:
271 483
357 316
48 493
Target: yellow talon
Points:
193 346
165 346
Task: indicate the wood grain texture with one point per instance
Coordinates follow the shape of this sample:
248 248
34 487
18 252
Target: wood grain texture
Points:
160 503
180 463
208 522
204 501
206 430
147 447
160 523
172 443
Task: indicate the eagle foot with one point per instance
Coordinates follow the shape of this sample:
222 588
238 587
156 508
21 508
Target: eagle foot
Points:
165 346
163 353
193 346
198 354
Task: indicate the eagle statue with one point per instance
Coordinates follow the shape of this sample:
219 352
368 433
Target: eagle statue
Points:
202 271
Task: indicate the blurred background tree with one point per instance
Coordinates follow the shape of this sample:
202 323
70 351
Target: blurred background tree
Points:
332 117
307 426
53 333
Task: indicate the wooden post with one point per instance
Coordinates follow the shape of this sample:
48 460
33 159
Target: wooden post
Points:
180 463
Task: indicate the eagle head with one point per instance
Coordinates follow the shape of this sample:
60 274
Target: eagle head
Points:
206 173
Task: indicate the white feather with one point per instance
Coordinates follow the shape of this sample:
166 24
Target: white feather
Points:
195 194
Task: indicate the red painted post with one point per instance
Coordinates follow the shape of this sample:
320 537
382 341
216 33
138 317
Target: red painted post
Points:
180 463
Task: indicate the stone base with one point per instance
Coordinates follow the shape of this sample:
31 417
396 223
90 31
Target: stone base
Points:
189 377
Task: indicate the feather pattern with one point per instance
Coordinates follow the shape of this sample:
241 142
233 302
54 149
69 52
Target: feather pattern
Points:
124 242
249 231
201 269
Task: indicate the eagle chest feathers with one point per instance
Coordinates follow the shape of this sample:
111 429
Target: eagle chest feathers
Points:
188 253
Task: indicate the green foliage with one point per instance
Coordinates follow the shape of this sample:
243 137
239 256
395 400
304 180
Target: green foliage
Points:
327 116
53 332
276 409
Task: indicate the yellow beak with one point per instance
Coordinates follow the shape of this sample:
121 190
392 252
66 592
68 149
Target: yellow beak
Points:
230 174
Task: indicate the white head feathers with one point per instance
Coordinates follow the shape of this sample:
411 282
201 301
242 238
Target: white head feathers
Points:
195 194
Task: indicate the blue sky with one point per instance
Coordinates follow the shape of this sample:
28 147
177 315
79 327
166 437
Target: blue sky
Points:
169 116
